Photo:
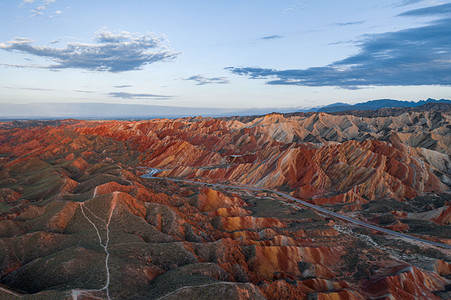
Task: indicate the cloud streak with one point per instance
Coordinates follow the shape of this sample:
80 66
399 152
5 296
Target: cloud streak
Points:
39 10
349 23
272 37
444 9
407 2
201 80
112 52
84 91
125 95
28 89
415 56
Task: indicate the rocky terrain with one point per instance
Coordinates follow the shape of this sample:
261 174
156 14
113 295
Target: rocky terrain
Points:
77 220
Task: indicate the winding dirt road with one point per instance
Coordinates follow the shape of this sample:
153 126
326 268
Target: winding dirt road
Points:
102 242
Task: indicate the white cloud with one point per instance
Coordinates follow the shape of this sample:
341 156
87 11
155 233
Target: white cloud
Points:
201 80
113 52
413 56
125 95
39 10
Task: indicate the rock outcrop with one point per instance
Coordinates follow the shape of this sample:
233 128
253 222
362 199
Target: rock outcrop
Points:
75 210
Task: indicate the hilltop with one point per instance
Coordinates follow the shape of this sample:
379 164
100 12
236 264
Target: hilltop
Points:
75 210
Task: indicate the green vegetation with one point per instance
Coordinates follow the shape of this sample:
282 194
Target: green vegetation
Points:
272 208
387 219
78 197
387 205
102 168
357 262
402 247
97 180
430 201
335 207
428 228
189 275
53 272
46 187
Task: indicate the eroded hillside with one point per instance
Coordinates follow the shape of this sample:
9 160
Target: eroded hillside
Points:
75 210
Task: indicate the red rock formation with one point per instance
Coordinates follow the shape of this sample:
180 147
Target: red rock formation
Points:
398 226
210 200
243 223
444 217
285 259
404 282
232 211
157 227
69 185
111 187
442 267
346 294
280 289
8 195
440 215
59 221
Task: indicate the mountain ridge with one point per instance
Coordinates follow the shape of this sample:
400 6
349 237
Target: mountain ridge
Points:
378 104
73 202
52 111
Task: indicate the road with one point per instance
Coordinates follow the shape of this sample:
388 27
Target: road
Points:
312 206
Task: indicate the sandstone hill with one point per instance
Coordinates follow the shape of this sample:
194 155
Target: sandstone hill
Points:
77 220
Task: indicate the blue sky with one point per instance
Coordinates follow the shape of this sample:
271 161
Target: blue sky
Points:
225 54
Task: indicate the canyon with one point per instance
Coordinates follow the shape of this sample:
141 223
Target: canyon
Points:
80 219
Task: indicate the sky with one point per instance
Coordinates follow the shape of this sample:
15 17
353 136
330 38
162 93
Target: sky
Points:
224 54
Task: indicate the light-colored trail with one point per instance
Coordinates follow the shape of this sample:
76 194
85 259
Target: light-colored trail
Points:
312 206
8 291
104 243
194 286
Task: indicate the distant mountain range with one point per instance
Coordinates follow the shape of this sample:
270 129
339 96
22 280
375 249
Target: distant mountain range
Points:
42 111
376 104
77 220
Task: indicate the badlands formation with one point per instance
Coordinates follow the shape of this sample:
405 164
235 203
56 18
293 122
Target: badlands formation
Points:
77 220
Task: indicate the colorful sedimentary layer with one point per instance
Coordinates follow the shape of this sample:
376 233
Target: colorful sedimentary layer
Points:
72 203
404 282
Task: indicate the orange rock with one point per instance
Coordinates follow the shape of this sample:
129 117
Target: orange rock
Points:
281 289
400 214
322 285
62 218
79 164
70 157
442 267
143 194
210 200
131 204
241 223
278 240
345 295
308 191
406 282
348 197
113 186
69 185
8 195
398 226
319 157
445 216
272 259
232 211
